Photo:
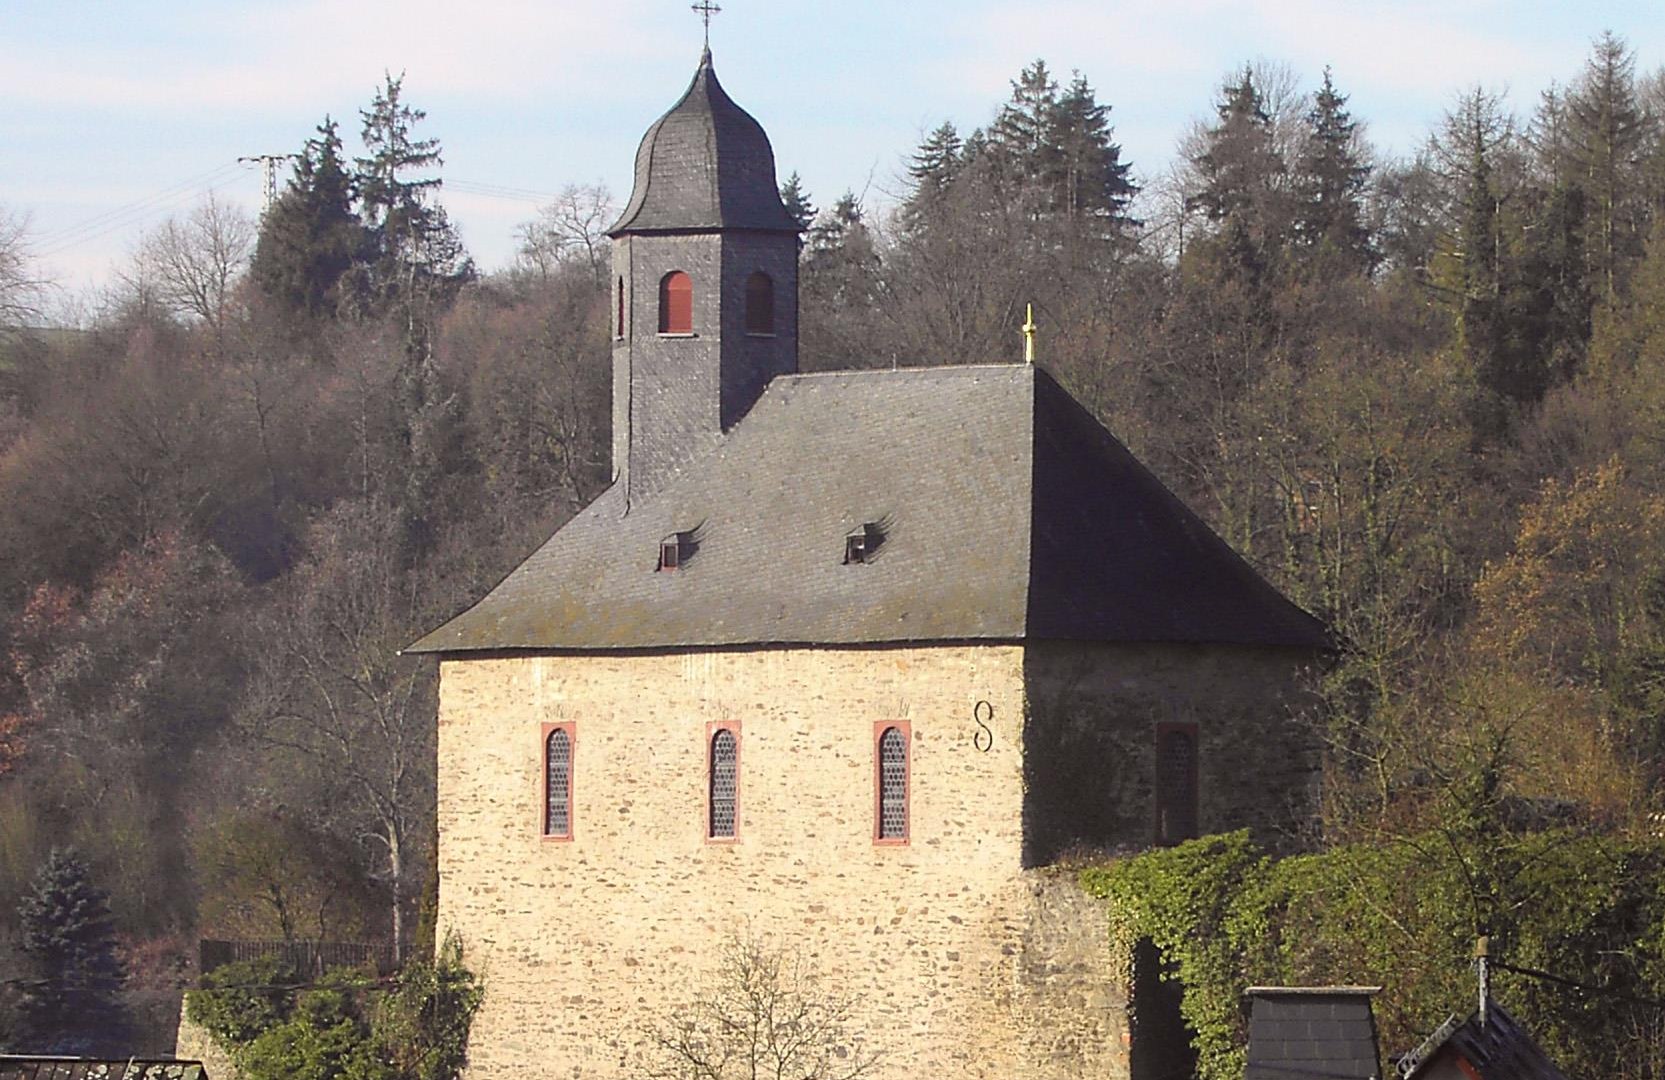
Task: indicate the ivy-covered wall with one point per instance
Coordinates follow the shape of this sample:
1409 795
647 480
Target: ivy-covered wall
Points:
1403 912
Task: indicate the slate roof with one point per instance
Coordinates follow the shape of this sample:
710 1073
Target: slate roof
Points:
1003 511
31 1067
1311 1033
706 164
1499 1049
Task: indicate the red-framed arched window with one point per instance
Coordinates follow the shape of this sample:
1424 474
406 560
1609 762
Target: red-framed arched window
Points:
557 781
890 782
676 303
722 818
760 304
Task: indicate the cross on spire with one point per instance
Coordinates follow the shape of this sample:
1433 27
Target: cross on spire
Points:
706 9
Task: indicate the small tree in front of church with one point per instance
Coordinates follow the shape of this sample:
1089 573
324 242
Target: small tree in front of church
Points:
762 1016
68 937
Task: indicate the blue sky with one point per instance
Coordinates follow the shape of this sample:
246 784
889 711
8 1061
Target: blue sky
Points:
119 113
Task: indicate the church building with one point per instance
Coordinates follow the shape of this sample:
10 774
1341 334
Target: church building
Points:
851 663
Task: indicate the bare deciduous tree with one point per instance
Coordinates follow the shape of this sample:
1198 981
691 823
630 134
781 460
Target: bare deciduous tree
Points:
20 284
763 1016
191 265
569 231
331 688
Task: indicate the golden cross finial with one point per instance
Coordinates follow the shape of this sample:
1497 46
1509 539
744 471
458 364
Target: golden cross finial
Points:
1029 329
707 9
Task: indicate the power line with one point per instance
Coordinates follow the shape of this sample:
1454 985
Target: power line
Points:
121 217
54 236
501 191
269 164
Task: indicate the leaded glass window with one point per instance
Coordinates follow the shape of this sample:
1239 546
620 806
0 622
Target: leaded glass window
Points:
557 813
1176 785
893 785
725 783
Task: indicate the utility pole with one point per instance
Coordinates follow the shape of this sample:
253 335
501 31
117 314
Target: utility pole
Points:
269 163
1483 961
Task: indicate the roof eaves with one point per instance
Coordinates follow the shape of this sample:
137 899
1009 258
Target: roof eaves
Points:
1412 1062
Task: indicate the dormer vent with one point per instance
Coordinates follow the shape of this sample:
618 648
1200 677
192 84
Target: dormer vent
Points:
679 547
861 543
670 551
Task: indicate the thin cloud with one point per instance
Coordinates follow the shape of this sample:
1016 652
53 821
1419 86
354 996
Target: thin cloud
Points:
1415 49
275 59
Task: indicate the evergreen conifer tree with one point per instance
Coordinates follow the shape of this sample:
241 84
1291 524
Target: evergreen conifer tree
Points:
1330 183
1239 172
68 935
1550 303
932 171
1089 180
935 164
1605 131
1019 140
419 257
1479 246
798 205
311 237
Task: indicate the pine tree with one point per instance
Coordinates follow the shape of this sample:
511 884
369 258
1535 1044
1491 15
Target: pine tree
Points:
841 232
1089 180
840 271
1474 134
418 268
1546 136
932 170
1549 301
1019 141
419 258
1238 172
935 164
798 206
1605 135
311 237
1330 179
69 938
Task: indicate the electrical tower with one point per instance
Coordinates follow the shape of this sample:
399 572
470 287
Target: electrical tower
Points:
268 162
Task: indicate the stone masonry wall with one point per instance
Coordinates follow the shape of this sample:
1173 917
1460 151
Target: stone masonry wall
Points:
1091 763
194 1043
959 963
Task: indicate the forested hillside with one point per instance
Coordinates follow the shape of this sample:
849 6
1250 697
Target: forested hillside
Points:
1423 396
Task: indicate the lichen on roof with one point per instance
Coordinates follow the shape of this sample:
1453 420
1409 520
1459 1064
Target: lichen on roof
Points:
1010 513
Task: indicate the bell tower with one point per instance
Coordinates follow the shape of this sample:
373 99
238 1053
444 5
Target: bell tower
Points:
705 284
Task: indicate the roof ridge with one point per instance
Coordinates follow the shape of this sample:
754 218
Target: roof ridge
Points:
916 368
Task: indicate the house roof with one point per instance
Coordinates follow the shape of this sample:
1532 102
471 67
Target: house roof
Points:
706 164
999 509
1499 1049
33 1067
1312 1033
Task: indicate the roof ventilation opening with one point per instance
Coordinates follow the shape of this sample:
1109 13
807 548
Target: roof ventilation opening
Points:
677 548
670 552
861 544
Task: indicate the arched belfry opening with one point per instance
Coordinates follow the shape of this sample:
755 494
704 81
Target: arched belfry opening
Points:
676 303
706 260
